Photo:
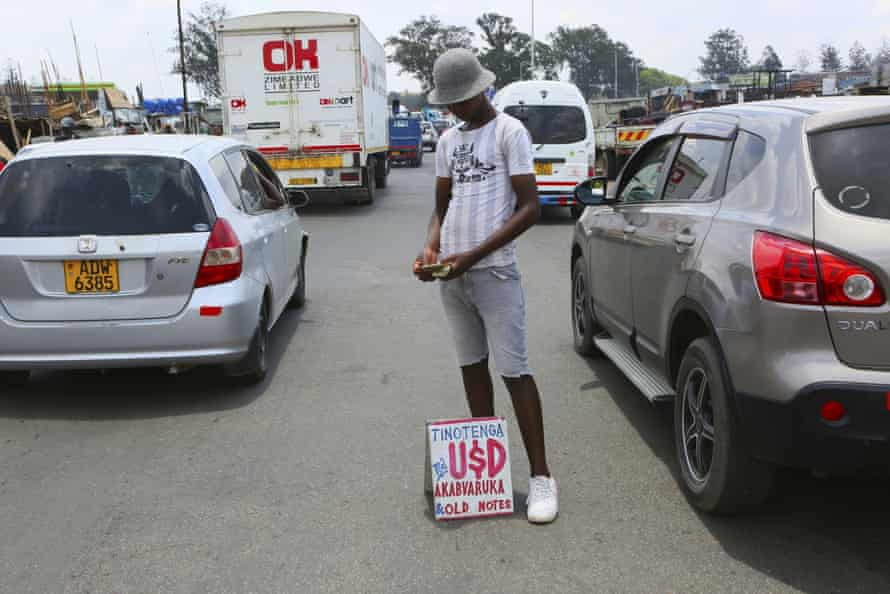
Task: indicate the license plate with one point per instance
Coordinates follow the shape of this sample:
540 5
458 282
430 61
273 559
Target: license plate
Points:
91 276
301 181
543 168
321 162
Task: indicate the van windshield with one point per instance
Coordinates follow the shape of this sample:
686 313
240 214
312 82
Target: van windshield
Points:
851 167
551 124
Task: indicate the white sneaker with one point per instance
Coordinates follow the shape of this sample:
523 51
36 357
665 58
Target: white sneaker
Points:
543 504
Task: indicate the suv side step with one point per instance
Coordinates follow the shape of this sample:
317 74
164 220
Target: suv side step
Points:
651 384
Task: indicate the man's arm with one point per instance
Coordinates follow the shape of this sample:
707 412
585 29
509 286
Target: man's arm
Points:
431 248
527 213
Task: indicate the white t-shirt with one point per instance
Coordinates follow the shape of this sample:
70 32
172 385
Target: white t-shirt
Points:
480 163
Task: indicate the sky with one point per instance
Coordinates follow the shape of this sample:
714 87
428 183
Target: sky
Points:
132 38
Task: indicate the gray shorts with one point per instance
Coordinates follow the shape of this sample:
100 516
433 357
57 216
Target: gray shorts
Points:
486 308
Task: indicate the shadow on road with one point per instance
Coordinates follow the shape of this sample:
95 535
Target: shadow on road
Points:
141 393
808 534
333 204
556 215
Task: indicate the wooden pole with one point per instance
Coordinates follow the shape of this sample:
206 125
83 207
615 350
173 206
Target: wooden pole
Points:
15 130
185 94
84 98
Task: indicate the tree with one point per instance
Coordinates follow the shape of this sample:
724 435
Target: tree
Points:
201 61
508 54
830 58
653 78
882 57
770 60
592 55
859 58
726 54
803 62
423 40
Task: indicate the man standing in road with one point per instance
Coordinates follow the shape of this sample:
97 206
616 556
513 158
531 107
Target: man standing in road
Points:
486 197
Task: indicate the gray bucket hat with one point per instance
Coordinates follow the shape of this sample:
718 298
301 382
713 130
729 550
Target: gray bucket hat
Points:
458 76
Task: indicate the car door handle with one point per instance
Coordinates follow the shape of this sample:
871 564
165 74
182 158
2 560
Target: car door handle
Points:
630 229
684 239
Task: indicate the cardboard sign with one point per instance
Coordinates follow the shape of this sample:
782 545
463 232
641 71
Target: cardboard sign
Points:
468 468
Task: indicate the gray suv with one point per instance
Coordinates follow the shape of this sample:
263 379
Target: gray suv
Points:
739 266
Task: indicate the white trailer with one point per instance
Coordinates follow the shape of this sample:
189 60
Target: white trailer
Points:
308 90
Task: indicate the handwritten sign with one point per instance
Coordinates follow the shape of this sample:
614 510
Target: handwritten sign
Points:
469 468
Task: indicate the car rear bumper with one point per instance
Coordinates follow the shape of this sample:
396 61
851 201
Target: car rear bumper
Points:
189 338
793 433
567 199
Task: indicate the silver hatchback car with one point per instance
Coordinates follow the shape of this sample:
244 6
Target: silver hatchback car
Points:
165 251
740 265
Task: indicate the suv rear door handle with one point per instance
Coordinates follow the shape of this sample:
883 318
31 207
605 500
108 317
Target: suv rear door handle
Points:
685 239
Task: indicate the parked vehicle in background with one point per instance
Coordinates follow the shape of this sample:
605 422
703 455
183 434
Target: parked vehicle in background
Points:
739 266
145 251
430 136
442 125
616 139
406 141
561 128
308 89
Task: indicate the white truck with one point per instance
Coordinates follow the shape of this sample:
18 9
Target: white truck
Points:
308 90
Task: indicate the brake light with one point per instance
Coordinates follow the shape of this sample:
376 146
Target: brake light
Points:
791 271
222 257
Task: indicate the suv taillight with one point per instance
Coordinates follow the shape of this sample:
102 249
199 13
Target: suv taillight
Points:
222 256
794 272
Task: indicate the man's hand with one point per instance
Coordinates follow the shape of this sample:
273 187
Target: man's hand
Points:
460 264
429 255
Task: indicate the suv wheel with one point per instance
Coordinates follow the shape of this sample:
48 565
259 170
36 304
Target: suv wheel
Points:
584 327
718 474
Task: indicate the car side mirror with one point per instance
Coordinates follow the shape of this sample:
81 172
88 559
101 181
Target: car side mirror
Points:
298 198
592 192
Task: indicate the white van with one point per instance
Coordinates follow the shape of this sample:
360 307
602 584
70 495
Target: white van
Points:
557 117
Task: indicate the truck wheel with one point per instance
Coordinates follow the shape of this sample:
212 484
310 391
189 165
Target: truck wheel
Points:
370 181
383 173
717 473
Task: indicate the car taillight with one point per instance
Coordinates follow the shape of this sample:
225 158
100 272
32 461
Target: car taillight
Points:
794 272
222 256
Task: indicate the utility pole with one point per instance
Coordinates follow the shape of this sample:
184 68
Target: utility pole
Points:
99 63
616 74
534 43
185 95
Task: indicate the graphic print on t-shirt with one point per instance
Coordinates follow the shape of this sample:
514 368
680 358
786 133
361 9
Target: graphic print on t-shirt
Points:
467 167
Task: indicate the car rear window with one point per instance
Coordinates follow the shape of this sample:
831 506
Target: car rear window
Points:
551 124
852 169
101 195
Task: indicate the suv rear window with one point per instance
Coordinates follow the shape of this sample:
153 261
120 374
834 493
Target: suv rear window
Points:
551 124
101 195
851 168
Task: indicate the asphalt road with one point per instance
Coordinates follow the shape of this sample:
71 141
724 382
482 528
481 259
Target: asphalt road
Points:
140 482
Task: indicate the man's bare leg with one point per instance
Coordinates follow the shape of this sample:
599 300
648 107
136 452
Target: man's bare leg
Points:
527 404
480 391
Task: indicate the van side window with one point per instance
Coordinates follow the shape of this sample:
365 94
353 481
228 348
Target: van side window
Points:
746 155
695 169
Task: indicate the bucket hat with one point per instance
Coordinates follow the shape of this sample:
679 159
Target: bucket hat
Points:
458 76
